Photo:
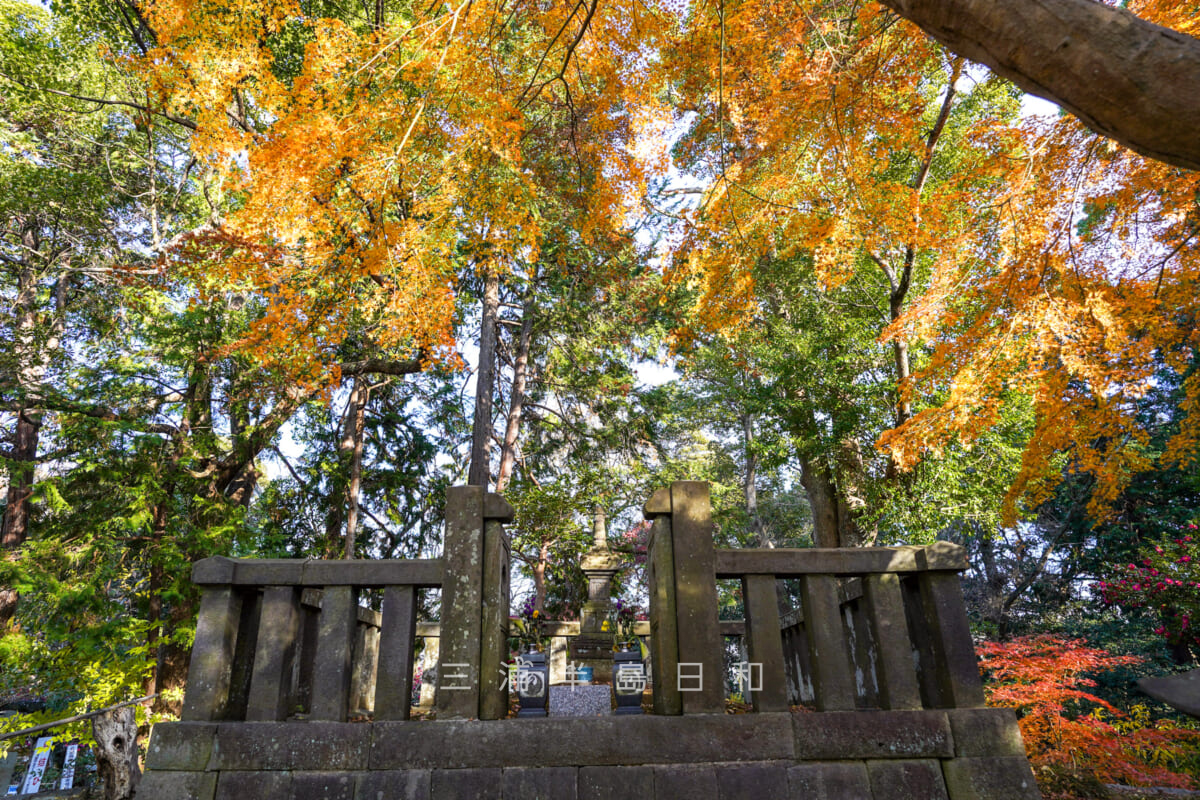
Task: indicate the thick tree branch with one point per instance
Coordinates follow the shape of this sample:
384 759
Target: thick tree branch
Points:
1123 77
382 366
187 123
131 416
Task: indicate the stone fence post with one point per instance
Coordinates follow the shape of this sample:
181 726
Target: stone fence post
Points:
474 624
685 637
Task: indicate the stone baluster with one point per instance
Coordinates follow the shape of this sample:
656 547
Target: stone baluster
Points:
271 679
953 662
764 643
898 687
332 672
393 687
211 668
832 671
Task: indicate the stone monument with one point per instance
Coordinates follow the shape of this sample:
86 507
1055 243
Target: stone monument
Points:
593 647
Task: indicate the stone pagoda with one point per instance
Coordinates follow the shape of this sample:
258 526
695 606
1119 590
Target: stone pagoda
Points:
593 647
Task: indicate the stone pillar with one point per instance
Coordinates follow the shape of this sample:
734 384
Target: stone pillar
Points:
685 645
474 605
559 655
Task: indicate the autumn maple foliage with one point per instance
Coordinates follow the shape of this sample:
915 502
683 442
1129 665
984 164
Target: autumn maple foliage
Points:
1023 257
1047 679
378 157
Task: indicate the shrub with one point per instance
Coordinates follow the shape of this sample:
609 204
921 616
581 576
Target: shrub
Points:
1069 730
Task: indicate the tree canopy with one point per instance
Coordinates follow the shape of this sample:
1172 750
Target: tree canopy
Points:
278 272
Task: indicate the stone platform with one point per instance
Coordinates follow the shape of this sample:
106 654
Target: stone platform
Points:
965 754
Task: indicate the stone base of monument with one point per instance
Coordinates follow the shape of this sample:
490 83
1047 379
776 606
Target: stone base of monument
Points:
580 701
955 754
595 651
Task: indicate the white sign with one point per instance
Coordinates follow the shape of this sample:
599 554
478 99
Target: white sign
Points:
68 770
37 765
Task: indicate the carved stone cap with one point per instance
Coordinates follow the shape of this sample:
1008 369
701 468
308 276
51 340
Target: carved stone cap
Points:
594 561
659 503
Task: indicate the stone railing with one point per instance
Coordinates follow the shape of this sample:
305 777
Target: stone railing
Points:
273 681
878 628
286 638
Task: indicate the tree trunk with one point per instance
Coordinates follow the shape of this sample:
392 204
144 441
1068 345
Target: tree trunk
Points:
851 486
240 488
117 752
479 471
21 475
359 400
817 481
8 607
901 283
992 601
33 358
1123 77
539 577
508 453
154 614
749 484
171 664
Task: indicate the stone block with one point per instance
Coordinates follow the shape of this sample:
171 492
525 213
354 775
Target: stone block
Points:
832 670
213 570
292 745
1008 778
541 783
401 784
493 631
395 665
253 786
274 653
596 741
466 784
322 786
691 782
980 732
659 503
954 662
178 785
752 781
268 571
183 746
916 779
580 701
836 736
497 508
829 780
605 783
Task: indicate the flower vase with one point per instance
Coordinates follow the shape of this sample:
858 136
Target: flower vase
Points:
629 679
533 684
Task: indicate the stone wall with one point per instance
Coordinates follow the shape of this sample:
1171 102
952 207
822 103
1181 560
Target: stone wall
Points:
963 754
